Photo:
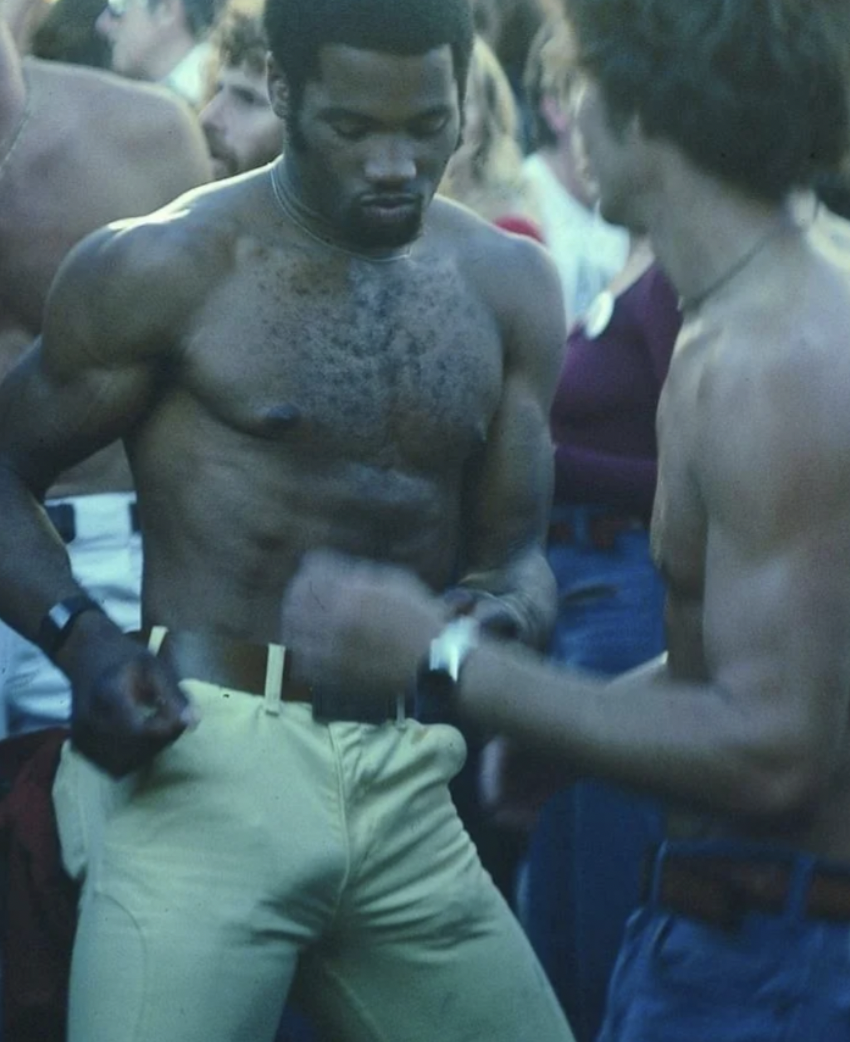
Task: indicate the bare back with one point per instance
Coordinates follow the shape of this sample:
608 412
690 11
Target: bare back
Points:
752 517
88 148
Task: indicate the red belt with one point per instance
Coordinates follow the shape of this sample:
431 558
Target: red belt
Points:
722 890
254 669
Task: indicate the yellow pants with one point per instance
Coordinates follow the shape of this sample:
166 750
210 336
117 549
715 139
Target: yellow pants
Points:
262 850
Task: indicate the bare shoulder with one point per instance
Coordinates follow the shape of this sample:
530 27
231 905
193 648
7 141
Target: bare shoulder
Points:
515 276
772 389
100 93
497 257
134 286
126 121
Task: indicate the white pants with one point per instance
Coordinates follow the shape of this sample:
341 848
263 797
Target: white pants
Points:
106 558
262 842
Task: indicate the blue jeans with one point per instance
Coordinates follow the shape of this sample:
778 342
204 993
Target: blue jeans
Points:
587 852
772 978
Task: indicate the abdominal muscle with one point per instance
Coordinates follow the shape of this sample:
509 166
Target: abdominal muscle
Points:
235 544
825 834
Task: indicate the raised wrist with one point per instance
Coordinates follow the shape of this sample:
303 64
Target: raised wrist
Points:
90 635
59 621
441 667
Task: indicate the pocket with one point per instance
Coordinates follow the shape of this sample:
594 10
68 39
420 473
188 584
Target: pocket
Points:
732 984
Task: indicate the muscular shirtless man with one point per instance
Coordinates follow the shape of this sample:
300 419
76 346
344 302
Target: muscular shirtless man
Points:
702 121
79 148
308 355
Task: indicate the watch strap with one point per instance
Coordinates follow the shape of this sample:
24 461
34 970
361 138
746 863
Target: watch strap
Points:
56 626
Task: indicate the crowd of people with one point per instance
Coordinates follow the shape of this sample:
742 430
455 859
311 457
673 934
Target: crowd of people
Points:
425 520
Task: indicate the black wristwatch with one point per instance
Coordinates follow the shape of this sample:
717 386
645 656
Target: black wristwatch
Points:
57 624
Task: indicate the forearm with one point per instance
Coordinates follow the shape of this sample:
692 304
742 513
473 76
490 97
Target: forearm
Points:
35 571
527 590
681 742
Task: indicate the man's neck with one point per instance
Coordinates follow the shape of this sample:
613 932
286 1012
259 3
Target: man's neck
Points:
293 200
707 233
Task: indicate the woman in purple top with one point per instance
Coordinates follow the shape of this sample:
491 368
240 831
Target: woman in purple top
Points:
585 854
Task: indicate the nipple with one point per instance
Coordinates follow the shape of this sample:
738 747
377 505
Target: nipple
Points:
280 418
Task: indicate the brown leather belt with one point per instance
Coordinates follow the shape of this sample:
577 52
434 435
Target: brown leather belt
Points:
255 669
722 890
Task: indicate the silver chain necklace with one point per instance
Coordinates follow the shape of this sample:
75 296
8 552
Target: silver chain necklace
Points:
301 216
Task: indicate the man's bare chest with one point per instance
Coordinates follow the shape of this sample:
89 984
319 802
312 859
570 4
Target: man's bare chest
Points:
365 365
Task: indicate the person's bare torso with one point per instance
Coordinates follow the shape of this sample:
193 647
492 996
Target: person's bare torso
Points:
707 421
314 400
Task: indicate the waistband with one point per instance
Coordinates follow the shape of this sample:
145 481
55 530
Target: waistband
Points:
86 517
263 670
720 885
591 526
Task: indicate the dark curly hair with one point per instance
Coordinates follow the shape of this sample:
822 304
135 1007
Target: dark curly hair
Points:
753 91
297 29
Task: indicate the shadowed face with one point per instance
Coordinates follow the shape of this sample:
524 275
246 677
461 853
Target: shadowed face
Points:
372 138
613 156
242 130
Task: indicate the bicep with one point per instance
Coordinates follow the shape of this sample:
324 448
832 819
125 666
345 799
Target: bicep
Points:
81 385
515 487
49 422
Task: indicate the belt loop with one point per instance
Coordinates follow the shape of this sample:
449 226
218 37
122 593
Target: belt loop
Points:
156 638
274 678
400 711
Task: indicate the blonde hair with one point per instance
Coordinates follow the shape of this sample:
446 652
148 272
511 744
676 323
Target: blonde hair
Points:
486 172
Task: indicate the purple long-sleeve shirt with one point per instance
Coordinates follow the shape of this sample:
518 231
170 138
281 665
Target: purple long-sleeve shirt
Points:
603 417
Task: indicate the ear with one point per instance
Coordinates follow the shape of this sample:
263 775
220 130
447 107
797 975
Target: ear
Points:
278 88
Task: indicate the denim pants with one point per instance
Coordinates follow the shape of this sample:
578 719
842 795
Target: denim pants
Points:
587 852
772 977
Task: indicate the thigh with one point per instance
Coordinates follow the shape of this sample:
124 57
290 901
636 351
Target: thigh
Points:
424 945
476 978
164 966
197 899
